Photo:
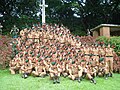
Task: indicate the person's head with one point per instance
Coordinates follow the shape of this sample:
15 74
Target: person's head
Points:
108 45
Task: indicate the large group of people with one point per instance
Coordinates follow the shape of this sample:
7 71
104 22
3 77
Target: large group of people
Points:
54 51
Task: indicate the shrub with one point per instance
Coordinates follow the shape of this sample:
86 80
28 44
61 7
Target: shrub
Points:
113 41
5 51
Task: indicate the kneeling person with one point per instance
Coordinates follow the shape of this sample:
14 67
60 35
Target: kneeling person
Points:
14 66
39 69
54 72
75 72
26 69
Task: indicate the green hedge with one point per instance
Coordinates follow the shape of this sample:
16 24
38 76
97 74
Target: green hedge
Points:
113 41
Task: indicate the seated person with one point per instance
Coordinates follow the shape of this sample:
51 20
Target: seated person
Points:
39 69
54 72
14 66
26 69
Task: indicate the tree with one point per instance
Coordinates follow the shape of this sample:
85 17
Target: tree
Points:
17 12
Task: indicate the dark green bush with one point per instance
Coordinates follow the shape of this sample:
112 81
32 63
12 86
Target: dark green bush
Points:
113 41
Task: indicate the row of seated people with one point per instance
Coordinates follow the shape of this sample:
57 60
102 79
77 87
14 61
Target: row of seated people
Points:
94 60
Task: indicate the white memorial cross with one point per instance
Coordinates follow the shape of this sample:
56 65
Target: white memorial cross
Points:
43 11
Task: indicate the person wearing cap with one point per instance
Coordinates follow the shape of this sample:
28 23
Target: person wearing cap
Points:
94 68
102 51
87 52
80 71
14 66
54 72
62 68
23 35
89 73
75 72
83 65
39 69
87 69
36 37
95 56
47 63
101 67
26 69
109 59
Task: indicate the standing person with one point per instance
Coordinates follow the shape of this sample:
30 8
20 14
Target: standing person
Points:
14 31
109 59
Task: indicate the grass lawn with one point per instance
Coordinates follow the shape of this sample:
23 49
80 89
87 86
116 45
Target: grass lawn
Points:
15 82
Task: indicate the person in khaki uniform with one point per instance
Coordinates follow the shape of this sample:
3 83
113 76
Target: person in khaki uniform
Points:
94 69
109 59
75 72
26 69
102 51
54 72
47 64
14 66
67 66
87 52
61 67
106 69
80 71
39 69
95 56
64 73
102 67
89 73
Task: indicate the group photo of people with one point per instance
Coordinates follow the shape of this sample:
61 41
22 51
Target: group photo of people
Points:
59 44
51 50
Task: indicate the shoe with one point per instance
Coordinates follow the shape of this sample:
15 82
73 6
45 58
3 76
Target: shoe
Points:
54 82
111 74
79 80
24 75
84 75
106 76
93 81
58 81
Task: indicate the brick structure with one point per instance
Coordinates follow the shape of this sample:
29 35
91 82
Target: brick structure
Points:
106 30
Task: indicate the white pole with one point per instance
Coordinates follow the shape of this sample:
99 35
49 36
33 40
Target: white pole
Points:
43 11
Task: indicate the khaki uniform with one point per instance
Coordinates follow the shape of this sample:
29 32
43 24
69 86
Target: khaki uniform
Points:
75 72
26 69
54 73
87 53
109 59
62 69
14 66
39 70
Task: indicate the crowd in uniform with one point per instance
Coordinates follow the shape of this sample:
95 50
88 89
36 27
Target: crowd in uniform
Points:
54 51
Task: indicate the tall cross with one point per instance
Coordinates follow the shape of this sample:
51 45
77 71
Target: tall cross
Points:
43 5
